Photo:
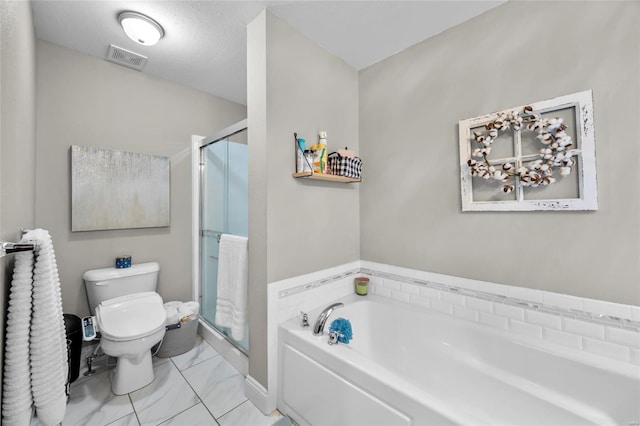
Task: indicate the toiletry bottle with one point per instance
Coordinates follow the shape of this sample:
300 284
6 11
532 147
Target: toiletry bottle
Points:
317 158
300 155
308 163
324 166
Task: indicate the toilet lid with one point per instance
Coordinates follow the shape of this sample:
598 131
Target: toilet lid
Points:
132 316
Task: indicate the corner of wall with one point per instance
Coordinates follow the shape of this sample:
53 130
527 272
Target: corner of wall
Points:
295 226
257 133
17 134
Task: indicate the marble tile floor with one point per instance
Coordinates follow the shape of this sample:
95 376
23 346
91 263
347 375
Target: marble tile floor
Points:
196 388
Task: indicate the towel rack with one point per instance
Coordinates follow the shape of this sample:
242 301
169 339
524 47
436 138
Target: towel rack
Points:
9 248
211 233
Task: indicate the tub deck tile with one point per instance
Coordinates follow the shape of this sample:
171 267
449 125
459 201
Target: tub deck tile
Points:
610 350
623 337
494 320
468 314
511 312
525 328
561 338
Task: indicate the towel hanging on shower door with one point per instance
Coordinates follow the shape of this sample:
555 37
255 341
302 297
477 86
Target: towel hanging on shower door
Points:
231 305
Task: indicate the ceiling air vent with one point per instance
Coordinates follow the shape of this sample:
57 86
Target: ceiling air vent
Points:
125 57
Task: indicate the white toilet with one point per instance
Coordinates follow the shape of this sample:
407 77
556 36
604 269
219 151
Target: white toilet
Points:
130 317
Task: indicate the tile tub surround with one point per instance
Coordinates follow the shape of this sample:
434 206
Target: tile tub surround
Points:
585 326
610 330
603 328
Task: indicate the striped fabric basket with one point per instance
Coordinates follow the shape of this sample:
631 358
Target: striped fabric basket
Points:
345 166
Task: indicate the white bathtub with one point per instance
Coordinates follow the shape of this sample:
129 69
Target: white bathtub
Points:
407 366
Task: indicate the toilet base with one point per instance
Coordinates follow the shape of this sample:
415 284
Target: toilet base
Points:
132 374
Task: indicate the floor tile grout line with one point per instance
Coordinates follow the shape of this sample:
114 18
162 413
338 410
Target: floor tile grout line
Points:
210 413
135 413
203 404
177 414
198 363
194 391
222 415
170 360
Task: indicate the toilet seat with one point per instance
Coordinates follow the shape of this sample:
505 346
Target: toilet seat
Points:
131 317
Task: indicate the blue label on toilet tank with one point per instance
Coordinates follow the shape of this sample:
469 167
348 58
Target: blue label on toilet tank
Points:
123 262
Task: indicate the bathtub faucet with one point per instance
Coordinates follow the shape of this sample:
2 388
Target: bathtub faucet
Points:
322 318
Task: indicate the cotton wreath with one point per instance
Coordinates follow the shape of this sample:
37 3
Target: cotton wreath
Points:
556 155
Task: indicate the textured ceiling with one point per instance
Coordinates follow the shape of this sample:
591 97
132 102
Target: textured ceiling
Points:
205 41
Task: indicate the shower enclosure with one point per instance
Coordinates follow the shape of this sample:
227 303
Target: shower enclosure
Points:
220 190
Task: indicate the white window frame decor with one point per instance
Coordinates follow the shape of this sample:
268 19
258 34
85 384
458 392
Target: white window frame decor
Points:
559 155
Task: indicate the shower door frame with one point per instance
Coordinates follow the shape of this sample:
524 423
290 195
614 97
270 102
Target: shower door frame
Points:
233 353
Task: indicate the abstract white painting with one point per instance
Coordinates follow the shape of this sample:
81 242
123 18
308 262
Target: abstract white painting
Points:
113 189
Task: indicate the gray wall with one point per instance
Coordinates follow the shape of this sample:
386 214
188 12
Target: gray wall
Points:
518 53
90 102
296 226
17 134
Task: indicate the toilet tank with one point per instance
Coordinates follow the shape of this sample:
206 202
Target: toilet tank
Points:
107 283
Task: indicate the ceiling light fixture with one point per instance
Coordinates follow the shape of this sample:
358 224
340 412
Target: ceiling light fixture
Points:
140 28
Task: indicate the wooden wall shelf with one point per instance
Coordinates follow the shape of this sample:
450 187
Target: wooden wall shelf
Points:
329 178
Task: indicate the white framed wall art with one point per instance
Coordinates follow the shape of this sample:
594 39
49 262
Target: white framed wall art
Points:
539 156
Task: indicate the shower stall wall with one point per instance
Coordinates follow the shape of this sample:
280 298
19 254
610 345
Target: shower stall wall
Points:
220 193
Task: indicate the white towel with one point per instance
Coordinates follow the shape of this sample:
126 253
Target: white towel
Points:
16 389
231 305
171 308
48 373
172 316
174 304
177 310
189 309
35 317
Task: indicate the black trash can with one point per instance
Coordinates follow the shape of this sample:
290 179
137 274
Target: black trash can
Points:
73 327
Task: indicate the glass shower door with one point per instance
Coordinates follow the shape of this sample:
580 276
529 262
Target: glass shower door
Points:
224 209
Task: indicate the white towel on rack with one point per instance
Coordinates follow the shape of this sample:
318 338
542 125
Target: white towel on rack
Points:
231 305
37 318
16 389
48 352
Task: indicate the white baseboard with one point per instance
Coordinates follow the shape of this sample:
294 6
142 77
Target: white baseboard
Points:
259 396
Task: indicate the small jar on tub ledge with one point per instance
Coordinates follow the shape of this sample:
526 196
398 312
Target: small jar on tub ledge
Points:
362 286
